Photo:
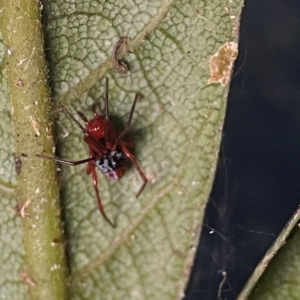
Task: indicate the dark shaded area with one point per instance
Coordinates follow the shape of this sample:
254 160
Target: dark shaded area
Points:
257 186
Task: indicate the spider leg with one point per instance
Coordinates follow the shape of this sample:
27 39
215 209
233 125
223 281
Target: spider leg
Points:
96 146
128 144
82 116
91 170
133 161
66 162
106 98
96 115
126 128
74 120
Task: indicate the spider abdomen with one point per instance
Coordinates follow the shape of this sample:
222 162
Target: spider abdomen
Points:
111 164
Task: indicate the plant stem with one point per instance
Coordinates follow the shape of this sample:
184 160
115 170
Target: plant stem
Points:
44 266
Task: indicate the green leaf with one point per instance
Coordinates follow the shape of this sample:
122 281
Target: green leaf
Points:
176 129
276 276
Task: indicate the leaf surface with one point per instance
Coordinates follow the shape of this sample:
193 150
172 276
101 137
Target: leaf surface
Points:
176 129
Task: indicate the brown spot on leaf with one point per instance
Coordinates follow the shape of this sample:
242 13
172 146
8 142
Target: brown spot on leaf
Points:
120 65
220 64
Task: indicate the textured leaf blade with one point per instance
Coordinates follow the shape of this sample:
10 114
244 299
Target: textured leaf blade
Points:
176 128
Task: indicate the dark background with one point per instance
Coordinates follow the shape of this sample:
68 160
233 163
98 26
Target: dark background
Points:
257 185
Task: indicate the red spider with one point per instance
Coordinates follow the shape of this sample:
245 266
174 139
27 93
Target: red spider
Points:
106 147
